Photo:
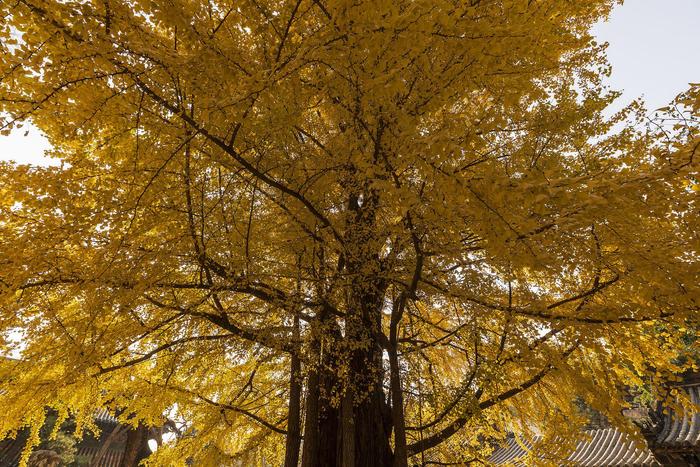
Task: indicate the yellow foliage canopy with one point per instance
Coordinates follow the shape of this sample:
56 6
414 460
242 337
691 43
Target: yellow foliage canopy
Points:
395 227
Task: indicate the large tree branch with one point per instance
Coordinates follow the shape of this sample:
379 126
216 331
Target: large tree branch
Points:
196 126
457 424
228 149
232 408
159 349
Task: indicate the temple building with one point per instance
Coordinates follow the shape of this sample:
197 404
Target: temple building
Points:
672 439
107 450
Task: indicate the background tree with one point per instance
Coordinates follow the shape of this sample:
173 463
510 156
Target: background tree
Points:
406 224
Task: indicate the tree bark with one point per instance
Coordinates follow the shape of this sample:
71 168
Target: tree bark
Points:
372 445
136 448
400 451
347 453
293 442
353 369
321 427
357 433
310 456
106 444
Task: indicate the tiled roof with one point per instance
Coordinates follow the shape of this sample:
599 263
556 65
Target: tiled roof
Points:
103 416
679 432
111 458
610 446
606 447
11 450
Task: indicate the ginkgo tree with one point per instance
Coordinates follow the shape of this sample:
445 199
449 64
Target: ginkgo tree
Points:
331 232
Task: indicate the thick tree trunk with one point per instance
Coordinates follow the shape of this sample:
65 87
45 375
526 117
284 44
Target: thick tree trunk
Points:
372 445
347 421
400 451
366 378
321 427
312 436
136 448
291 454
353 373
357 433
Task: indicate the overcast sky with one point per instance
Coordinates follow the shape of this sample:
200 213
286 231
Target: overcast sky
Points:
653 50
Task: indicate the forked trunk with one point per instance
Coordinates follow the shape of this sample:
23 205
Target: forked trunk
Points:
354 409
348 422
356 434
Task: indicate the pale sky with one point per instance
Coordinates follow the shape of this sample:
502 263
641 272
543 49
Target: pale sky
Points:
653 51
